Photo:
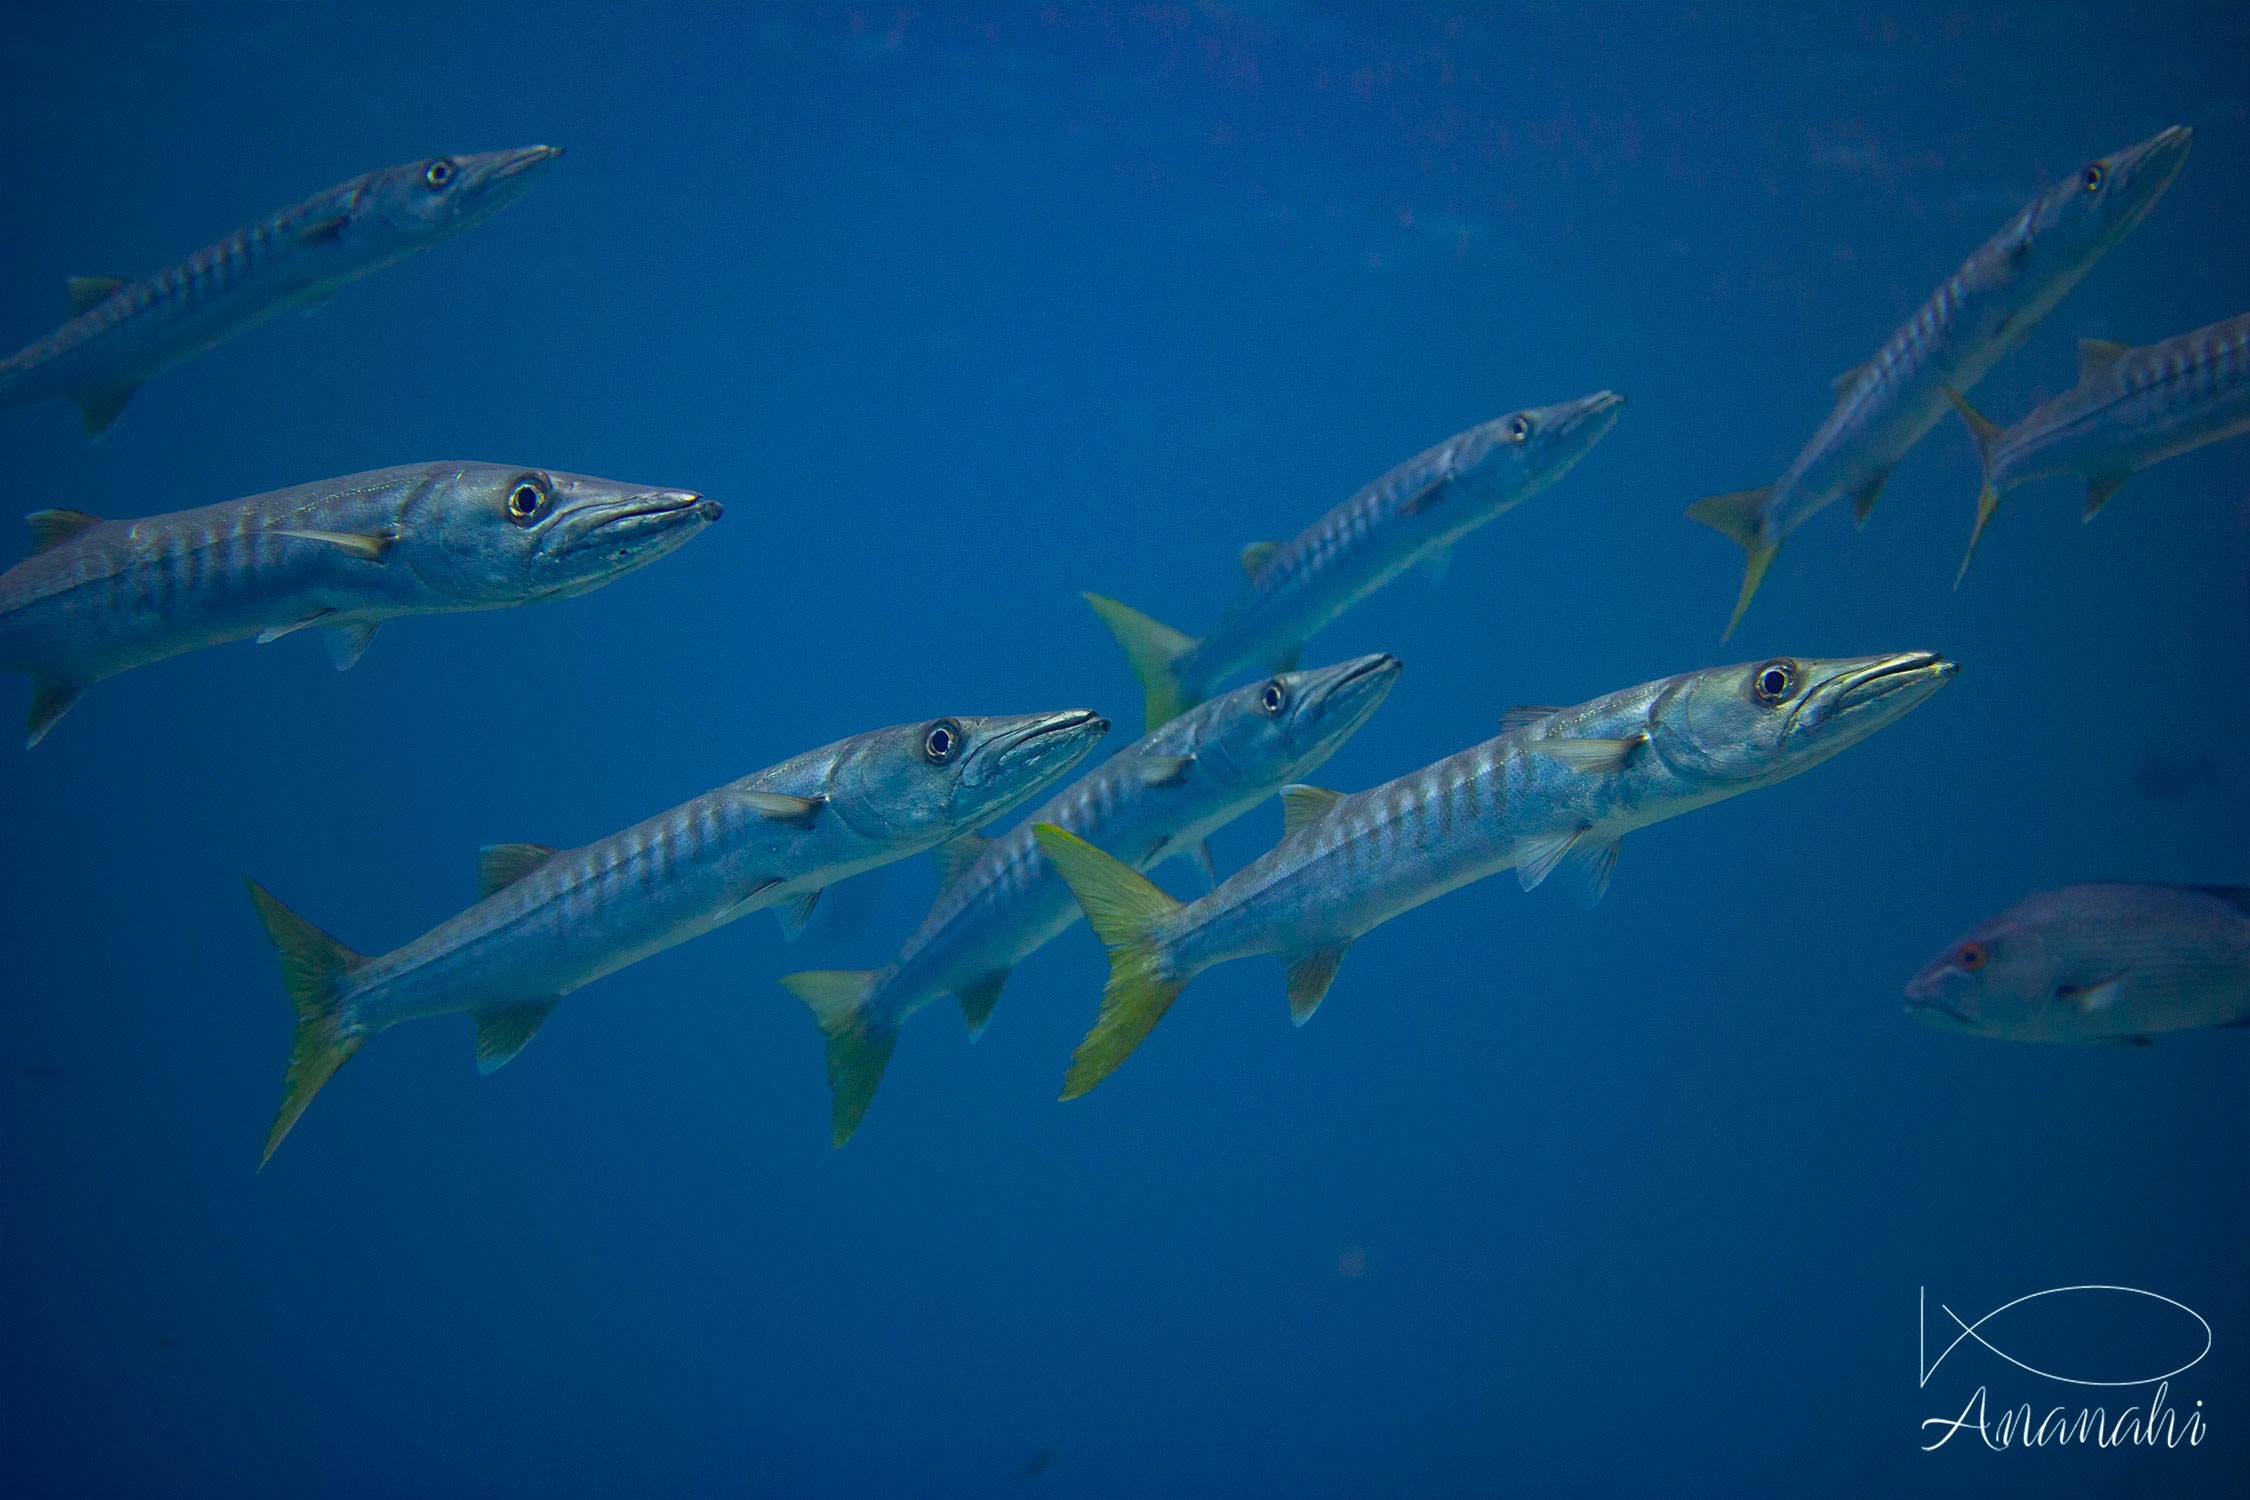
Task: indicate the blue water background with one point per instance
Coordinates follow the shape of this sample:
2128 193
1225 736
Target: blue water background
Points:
961 311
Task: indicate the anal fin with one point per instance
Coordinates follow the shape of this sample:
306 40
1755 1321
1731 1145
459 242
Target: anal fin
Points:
101 408
502 1030
977 1001
794 913
50 700
1310 973
1864 498
2099 487
348 643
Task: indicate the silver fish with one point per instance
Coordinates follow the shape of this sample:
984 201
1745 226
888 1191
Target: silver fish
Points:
1411 515
98 597
1551 795
120 334
2131 408
1000 900
1983 310
2096 963
553 920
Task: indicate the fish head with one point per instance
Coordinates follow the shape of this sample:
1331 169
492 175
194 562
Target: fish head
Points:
1501 461
2003 978
917 785
2080 218
489 535
426 199
1761 722
1271 733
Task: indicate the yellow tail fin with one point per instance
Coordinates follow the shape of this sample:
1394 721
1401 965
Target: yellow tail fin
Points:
313 967
1152 650
1987 435
858 1051
1126 912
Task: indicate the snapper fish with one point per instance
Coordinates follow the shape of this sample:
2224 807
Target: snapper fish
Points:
1412 515
1549 797
2096 963
340 556
553 920
121 333
1000 900
1983 310
2131 408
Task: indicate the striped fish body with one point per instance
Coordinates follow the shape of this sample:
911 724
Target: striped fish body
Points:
1161 796
341 555
121 334
2132 408
591 911
1411 515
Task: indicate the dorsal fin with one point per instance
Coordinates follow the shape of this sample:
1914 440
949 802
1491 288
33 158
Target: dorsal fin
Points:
1256 556
1305 804
954 857
86 291
502 865
49 527
1524 713
2096 356
1847 380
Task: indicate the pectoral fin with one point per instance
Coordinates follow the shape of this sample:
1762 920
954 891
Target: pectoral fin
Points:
52 527
1310 974
358 543
274 633
502 1030
50 700
1594 757
348 643
90 291
779 806
1162 770
794 913
2091 998
323 231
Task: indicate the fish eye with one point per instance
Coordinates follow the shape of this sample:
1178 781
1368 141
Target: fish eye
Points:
1519 428
2092 178
527 502
1972 957
941 742
1273 699
1774 681
438 174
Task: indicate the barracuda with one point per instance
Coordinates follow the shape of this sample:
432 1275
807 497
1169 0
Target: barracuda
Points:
119 334
551 921
1411 515
1551 795
1985 309
1000 900
2131 408
98 597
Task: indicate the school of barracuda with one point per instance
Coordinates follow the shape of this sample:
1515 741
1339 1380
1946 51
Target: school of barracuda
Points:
1549 797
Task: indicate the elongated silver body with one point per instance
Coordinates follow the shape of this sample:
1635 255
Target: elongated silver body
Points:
2131 408
2096 963
122 333
1411 515
1983 310
340 556
1001 900
1554 794
553 921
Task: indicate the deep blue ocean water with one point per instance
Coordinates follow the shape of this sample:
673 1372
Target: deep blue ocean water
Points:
961 311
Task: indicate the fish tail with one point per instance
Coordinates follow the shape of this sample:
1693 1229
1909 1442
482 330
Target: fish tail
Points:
1986 434
1739 516
1126 911
1153 651
858 1047
313 967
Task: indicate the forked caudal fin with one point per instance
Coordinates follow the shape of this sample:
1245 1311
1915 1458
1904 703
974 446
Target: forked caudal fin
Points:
1153 652
857 1050
1740 516
1987 434
313 967
1124 909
